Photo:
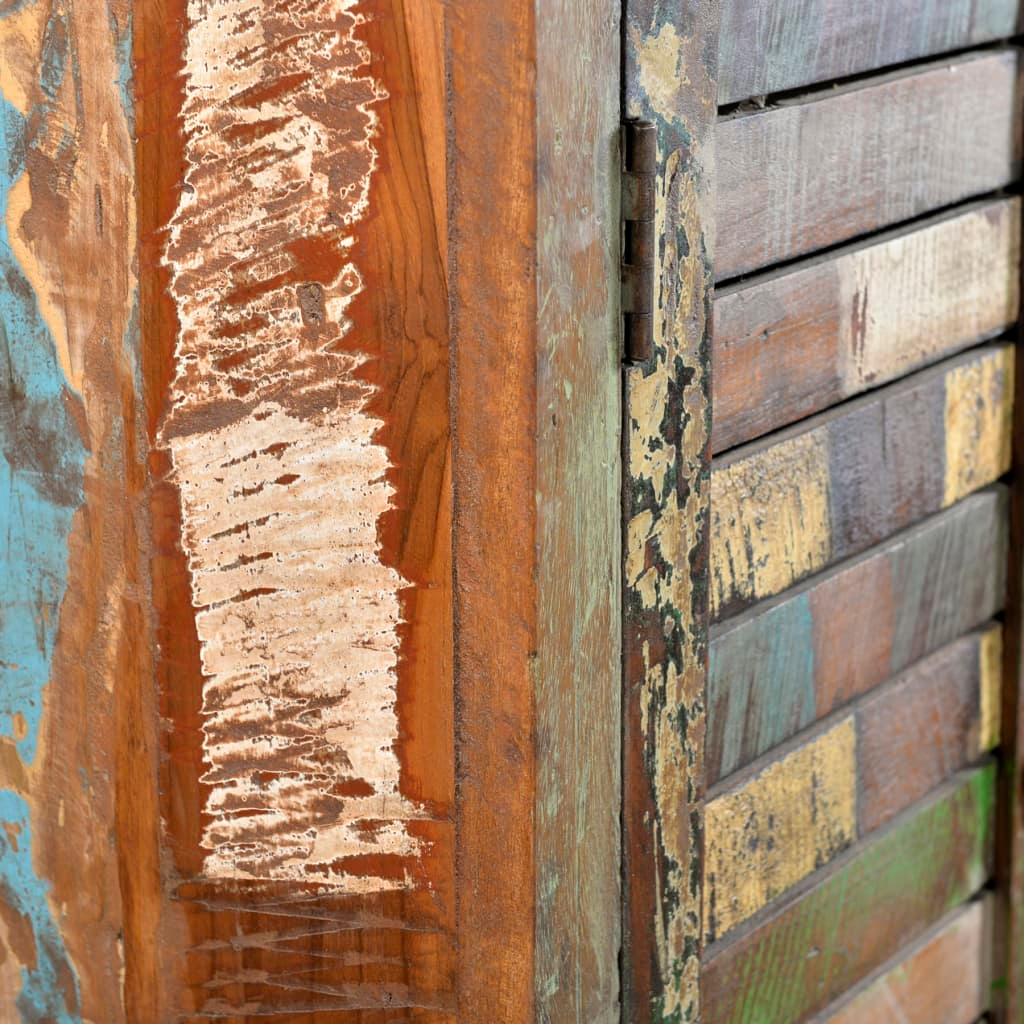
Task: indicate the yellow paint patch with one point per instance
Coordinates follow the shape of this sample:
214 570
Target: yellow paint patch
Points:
990 674
770 519
979 413
778 828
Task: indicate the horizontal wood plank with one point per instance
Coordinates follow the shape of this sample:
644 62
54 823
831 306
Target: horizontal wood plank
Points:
768 47
778 668
942 979
790 344
777 826
880 896
798 177
937 718
794 503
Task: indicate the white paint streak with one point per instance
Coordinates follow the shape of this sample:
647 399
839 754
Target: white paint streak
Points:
282 484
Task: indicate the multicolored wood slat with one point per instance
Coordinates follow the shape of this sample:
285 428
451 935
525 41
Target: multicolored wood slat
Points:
793 504
777 669
768 47
808 951
793 342
944 978
826 168
72 609
810 802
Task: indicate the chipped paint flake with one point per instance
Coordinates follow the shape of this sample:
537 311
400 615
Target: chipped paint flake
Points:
274 450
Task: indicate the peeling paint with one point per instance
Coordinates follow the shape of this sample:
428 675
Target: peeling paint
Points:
281 477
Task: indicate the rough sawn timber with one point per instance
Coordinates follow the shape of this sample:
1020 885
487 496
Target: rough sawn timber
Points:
792 343
794 503
831 166
767 46
858 913
785 664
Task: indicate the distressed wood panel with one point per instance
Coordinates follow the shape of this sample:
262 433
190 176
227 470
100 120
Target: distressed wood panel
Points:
670 78
773 830
579 655
806 175
778 668
795 342
770 830
794 503
275 320
880 896
942 979
938 718
79 835
767 46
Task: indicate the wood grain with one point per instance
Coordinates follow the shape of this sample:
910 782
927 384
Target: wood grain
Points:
778 827
494 170
794 503
880 896
769 47
79 891
772 827
932 721
669 77
942 979
806 175
244 949
579 655
778 668
792 343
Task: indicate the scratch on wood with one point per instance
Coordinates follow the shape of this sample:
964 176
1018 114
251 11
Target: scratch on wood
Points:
282 483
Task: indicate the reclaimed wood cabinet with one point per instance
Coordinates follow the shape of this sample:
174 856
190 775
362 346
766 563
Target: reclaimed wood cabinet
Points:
511 511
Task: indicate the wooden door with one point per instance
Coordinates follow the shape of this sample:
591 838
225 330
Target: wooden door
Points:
822 561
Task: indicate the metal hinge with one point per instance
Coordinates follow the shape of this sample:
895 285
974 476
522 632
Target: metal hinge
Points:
639 171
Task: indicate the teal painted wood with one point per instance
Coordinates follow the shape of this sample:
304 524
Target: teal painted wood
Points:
767 46
42 487
783 665
41 483
880 896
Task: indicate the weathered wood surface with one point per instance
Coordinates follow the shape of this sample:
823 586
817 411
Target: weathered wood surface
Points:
794 503
944 978
767 46
494 153
779 668
793 343
78 822
669 68
769 830
936 719
778 827
579 584
277 320
805 175
858 913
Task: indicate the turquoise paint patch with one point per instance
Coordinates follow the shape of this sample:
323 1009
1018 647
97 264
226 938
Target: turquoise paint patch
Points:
49 991
41 486
760 684
41 476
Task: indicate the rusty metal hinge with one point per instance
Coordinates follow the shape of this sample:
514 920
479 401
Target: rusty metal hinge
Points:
639 171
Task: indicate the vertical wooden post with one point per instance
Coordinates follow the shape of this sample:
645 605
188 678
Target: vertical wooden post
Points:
670 78
578 415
